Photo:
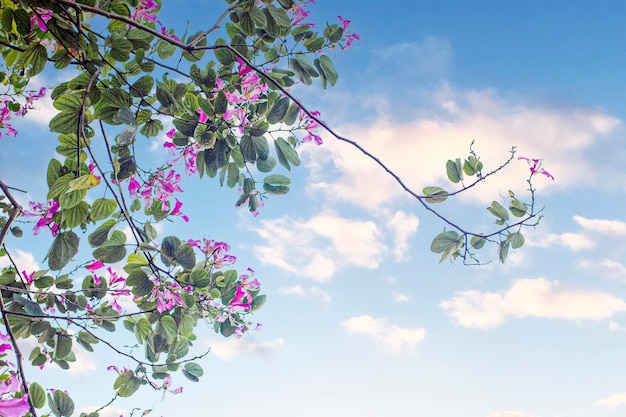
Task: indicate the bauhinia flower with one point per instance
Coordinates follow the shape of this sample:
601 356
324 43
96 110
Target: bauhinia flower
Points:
349 37
310 125
12 407
45 213
535 167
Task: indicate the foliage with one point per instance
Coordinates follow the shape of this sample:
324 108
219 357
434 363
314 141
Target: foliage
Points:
228 93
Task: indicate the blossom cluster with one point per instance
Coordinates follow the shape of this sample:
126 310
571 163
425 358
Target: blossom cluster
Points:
44 212
117 284
6 113
146 12
11 403
160 186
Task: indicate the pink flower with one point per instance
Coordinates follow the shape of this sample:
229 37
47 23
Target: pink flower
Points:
166 298
177 212
28 277
40 17
349 37
535 167
45 213
93 267
216 252
309 126
203 116
15 407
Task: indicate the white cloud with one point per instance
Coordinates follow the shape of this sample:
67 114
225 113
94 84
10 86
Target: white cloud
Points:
295 290
399 297
417 148
319 296
572 241
404 226
396 339
603 267
615 228
228 349
614 326
530 298
318 247
510 414
84 364
612 401
25 261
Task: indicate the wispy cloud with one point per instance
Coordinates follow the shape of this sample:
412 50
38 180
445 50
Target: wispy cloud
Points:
417 147
316 248
615 228
25 261
573 241
529 297
612 401
603 267
229 349
318 295
399 297
510 414
393 338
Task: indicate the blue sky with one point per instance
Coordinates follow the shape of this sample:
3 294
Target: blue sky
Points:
361 320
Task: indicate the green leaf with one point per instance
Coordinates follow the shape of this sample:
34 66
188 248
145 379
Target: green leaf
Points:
503 250
65 122
454 170
516 239
76 215
7 22
99 236
266 165
37 395
110 254
185 256
62 346
278 110
61 404
227 329
169 328
54 172
63 249
275 189
280 17
127 137
71 198
499 211
258 302
143 86
286 153
102 208
435 194
126 384
517 208
33 59
326 67
477 242
444 241
306 65
186 326
276 179
292 114
261 146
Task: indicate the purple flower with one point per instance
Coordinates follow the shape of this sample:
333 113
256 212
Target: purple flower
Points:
45 213
535 167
